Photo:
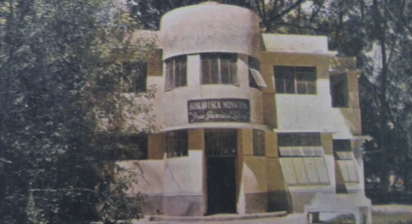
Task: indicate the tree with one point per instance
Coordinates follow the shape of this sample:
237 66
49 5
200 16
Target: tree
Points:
61 66
150 12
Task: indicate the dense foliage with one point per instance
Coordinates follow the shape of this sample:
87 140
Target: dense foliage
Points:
62 63
58 79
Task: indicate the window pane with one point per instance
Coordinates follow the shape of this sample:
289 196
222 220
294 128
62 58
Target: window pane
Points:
322 171
342 145
252 82
313 139
296 151
311 170
214 72
301 87
301 176
286 139
177 73
254 63
344 170
206 79
285 151
311 88
339 90
183 74
233 73
169 76
224 72
308 152
280 83
288 170
353 174
290 84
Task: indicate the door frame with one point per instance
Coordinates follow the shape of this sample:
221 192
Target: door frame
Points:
236 157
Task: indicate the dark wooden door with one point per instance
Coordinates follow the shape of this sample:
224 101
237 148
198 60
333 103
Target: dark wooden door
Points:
221 151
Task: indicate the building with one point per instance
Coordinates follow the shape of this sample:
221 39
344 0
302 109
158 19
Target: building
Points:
249 122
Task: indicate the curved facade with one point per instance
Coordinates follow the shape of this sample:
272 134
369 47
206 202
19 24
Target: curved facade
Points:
210 27
216 43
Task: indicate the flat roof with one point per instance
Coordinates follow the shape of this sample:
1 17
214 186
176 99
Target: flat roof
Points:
305 44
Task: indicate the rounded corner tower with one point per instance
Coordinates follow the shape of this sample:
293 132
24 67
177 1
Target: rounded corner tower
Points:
210 27
207 52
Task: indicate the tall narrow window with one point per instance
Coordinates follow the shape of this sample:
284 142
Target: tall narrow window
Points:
291 80
255 77
134 77
339 90
219 69
345 160
175 72
177 143
258 143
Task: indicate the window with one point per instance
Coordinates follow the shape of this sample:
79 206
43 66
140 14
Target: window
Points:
301 156
299 139
221 142
219 69
291 80
339 90
345 160
258 143
342 149
255 77
175 72
300 145
134 77
176 143
305 170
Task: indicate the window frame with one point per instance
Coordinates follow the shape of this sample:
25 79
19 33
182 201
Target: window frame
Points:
259 143
303 161
300 80
301 139
342 149
215 65
134 83
339 99
221 142
180 141
255 77
175 72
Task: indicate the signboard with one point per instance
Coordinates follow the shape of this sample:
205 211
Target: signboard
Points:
217 110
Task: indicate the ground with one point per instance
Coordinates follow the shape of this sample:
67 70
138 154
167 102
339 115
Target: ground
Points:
392 214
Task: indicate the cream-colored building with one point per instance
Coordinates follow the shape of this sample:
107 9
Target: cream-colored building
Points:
249 122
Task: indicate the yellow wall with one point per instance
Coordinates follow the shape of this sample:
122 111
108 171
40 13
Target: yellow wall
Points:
271 145
254 175
327 143
196 139
154 64
156 145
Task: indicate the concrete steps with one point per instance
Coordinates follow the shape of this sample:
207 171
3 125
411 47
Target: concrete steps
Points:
214 218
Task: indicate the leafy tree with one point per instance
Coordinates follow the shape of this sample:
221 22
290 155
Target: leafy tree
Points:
149 12
61 68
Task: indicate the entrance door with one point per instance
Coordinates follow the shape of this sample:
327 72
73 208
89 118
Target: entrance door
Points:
221 150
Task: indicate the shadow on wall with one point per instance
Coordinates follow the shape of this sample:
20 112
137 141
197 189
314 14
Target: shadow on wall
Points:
279 201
